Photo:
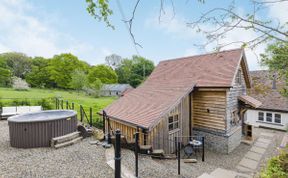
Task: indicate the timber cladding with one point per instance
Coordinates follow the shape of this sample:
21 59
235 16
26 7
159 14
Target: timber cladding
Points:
209 109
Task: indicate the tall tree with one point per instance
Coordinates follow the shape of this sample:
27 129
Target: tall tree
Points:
113 60
39 75
5 74
78 80
18 63
61 68
134 71
103 72
276 58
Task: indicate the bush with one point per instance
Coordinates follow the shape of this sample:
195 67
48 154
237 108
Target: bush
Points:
277 166
20 84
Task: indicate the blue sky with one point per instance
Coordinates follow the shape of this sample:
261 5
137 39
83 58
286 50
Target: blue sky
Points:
49 27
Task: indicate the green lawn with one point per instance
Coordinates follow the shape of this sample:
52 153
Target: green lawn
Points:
36 94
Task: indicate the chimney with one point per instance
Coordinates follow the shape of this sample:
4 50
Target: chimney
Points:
274 81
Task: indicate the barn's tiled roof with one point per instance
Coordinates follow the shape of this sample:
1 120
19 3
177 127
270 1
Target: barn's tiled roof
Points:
262 90
170 82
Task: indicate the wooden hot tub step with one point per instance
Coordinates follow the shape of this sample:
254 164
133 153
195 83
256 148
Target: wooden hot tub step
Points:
65 138
71 142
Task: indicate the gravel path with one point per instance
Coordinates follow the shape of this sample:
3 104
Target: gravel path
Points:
79 160
149 167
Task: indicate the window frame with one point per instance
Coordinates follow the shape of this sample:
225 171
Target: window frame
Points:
175 122
278 118
271 117
263 115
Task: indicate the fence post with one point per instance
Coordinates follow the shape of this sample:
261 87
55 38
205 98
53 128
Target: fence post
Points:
81 113
118 154
91 117
203 151
104 118
62 104
67 104
178 149
56 103
109 135
136 152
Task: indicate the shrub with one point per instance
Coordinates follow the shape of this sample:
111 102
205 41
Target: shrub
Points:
277 166
19 84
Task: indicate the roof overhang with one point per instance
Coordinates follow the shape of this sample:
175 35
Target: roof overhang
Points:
248 100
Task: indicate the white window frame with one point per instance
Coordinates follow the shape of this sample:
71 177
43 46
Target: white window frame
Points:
263 116
271 117
279 118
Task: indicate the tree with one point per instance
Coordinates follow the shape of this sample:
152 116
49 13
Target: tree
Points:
104 73
61 68
5 77
276 58
214 23
18 63
113 60
134 71
78 80
39 75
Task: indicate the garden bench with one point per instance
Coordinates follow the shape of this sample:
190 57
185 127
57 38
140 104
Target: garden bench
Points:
14 110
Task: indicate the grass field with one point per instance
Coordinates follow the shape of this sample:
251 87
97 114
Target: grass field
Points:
8 95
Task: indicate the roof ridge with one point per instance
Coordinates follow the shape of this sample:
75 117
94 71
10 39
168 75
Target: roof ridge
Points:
198 55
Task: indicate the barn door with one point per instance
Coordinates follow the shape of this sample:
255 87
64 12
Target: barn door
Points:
172 135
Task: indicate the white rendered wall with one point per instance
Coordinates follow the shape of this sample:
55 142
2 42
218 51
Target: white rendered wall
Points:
251 117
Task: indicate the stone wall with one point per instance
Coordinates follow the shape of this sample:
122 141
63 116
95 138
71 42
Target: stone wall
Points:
218 141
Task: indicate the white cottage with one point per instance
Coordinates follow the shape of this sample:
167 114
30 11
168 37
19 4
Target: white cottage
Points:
273 113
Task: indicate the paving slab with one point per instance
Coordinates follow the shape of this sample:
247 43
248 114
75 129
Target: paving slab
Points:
244 169
249 163
253 156
258 150
265 134
223 173
264 140
261 144
206 175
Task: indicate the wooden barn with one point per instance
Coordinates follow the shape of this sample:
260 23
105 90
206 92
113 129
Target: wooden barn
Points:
197 95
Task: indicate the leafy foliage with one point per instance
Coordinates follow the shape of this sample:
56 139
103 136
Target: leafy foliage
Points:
100 10
104 73
39 75
275 57
78 80
18 63
61 68
277 166
134 71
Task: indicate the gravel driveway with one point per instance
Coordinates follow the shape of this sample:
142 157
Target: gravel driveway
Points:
79 160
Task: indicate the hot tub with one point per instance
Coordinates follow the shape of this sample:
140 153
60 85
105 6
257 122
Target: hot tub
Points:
38 128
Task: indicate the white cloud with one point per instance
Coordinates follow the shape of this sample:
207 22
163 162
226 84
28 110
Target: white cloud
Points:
23 31
279 11
171 24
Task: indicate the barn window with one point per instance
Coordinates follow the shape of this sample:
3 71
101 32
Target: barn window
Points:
268 117
277 118
260 116
173 122
239 77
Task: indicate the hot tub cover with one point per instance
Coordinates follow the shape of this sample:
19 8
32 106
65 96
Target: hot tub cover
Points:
43 116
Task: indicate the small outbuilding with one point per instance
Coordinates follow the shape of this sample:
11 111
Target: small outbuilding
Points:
196 95
273 113
114 89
